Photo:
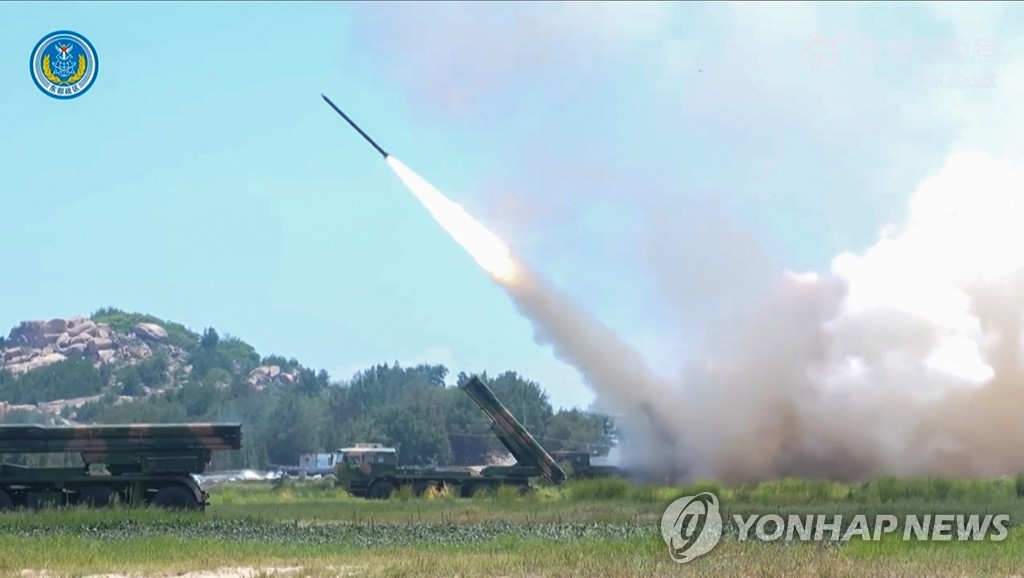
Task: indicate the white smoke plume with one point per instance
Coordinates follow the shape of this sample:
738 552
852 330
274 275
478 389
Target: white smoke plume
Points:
901 359
905 359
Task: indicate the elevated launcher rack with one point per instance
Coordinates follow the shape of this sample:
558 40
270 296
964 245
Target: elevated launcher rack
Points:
146 464
524 448
371 471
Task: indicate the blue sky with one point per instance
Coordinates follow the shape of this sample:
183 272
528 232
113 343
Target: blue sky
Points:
660 163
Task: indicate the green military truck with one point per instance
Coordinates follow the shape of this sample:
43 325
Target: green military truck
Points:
580 466
370 470
132 465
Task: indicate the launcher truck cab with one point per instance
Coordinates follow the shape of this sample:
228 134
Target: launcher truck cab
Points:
578 465
132 465
371 470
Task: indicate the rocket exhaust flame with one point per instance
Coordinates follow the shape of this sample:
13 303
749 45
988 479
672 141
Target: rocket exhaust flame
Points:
613 369
484 246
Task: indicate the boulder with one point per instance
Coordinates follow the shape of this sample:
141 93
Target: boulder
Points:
99 344
57 326
64 340
80 328
51 338
265 374
150 332
105 355
76 320
81 338
35 363
76 350
258 377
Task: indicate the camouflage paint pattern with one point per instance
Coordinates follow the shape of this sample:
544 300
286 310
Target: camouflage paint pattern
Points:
146 464
119 443
519 442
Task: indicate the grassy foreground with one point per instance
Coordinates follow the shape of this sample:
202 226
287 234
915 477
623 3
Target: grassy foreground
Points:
601 528
74 556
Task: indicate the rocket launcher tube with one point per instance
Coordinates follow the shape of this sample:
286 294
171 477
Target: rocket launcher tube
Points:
120 439
512 434
500 426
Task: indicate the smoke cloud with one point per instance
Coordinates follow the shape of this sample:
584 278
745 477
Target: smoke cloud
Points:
904 359
901 359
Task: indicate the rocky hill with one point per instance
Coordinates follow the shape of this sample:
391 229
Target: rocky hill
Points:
35 344
132 355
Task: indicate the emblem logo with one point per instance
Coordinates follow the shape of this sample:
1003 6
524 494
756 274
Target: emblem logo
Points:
64 64
691 526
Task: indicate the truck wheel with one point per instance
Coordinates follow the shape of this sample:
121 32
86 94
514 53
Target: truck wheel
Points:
98 497
175 498
6 503
380 491
479 489
420 488
524 489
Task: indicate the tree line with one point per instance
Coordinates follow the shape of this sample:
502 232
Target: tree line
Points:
415 409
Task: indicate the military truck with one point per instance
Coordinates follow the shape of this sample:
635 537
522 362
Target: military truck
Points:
371 470
133 465
578 465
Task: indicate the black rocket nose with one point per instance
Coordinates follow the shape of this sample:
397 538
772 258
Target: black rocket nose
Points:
355 126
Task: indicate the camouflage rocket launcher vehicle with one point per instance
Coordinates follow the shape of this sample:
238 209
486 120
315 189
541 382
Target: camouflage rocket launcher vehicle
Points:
372 470
145 464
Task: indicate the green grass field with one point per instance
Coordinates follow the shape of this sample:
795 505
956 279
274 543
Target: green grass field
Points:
603 528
